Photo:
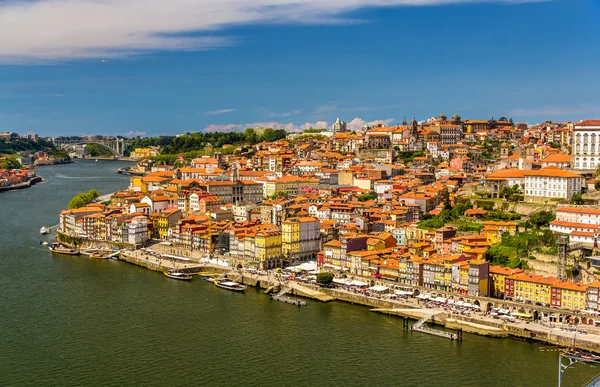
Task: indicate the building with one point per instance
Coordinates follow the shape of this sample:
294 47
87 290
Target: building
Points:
138 231
301 239
551 183
586 145
498 275
339 126
268 248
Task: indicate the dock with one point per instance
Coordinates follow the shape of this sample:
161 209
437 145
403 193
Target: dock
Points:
419 326
289 300
281 296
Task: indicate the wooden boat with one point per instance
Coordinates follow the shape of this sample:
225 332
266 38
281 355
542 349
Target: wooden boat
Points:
97 256
178 276
230 285
56 248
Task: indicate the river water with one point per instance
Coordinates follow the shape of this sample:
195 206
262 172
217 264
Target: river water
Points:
73 321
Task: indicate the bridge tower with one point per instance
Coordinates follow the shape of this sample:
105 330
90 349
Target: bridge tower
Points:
562 257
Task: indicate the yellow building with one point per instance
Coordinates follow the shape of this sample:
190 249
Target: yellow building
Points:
269 248
164 220
138 184
498 275
535 289
474 126
569 295
493 230
143 153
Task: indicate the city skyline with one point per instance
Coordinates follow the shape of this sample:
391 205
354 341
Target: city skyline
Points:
292 66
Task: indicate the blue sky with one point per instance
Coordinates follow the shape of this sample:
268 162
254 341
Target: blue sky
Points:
128 68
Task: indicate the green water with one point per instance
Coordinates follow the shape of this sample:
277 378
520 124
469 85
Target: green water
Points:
68 321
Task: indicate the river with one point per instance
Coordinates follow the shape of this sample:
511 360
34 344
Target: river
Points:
73 321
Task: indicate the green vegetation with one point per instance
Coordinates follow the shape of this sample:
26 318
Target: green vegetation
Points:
83 199
10 163
597 184
95 150
506 192
277 195
20 145
497 215
191 145
407 156
576 199
510 251
430 222
367 196
325 278
197 141
311 130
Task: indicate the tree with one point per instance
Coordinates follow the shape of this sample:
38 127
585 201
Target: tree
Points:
542 218
576 199
366 197
325 278
597 184
11 163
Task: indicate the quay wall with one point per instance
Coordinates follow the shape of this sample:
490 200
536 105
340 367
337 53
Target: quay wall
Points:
468 324
23 185
78 242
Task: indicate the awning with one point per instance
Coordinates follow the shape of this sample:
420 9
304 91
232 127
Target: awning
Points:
378 288
451 301
460 303
421 296
403 293
440 299
467 305
358 283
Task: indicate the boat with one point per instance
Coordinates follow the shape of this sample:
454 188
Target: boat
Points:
178 275
44 230
96 160
44 243
56 248
230 285
97 256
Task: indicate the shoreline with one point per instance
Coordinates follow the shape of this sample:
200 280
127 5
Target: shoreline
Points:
26 184
482 325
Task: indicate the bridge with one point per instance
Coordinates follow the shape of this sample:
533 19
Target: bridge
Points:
117 146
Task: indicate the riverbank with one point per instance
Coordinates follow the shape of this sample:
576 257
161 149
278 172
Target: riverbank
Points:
23 185
166 258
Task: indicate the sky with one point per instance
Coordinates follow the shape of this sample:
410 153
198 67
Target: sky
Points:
155 67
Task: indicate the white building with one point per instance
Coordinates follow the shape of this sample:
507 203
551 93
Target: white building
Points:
551 183
339 126
138 231
586 145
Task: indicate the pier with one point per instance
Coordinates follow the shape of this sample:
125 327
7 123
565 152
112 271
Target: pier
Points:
281 296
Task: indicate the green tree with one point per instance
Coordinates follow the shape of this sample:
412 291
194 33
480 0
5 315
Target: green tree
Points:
11 163
542 218
367 196
325 278
576 199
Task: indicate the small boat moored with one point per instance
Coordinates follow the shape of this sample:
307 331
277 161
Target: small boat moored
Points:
178 276
230 285
57 248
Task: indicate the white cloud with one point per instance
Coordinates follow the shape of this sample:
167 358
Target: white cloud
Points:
358 123
34 31
355 124
219 112
133 133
